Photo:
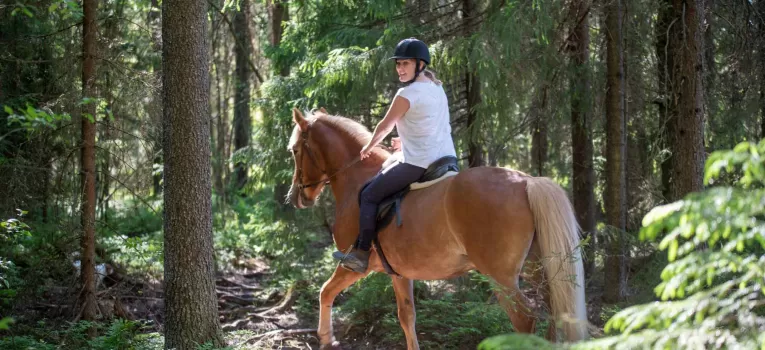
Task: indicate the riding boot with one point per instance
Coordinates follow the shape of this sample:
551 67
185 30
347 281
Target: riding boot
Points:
356 260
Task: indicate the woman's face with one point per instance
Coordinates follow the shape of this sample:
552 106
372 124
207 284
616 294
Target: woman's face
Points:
405 69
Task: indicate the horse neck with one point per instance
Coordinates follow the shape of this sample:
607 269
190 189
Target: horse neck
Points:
339 151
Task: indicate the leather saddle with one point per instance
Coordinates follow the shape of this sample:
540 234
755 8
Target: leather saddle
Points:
391 206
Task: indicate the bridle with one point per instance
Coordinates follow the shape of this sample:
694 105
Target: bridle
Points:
312 156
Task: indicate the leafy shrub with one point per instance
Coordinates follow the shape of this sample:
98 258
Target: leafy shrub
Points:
24 248
444 321
117 335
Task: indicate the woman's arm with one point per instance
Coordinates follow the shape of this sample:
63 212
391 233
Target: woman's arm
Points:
397 110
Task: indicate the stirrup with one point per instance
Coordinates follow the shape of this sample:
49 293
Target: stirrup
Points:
340 255
357 263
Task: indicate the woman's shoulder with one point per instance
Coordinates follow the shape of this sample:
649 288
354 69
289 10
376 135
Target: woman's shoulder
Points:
422 87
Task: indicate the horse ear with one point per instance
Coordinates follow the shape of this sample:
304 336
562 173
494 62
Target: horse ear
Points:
323 110
298 118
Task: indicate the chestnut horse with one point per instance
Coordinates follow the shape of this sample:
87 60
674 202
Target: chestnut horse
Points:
487 218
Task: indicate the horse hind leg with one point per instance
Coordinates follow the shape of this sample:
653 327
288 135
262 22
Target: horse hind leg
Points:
534 274
515 304
504 267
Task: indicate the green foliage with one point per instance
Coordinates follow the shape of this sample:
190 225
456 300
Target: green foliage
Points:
24 343
13 231
138 254
515 341
5 323
31 119
23 249
132 237
465 314
710 296
117 335
9 281
253 232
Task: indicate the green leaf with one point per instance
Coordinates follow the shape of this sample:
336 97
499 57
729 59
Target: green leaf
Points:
672 250
742 147
5 323
8 109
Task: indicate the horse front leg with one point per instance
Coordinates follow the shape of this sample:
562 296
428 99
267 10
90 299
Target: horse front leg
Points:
340 280
404 289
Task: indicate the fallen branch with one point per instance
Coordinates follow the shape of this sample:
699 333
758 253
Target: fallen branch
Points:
107 290
254 274
287 302
232 326
289 299
242 310
239 288
53 306
234 284
243 301
253 315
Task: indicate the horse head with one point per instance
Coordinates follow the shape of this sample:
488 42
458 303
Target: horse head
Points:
325 150
309 177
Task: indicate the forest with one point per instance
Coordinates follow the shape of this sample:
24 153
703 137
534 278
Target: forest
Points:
147 171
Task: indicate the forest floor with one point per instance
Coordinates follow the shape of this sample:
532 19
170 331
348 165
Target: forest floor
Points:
255 314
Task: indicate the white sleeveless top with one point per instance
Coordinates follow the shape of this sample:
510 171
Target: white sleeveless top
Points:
424 130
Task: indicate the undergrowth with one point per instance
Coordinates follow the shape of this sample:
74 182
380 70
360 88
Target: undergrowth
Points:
456 319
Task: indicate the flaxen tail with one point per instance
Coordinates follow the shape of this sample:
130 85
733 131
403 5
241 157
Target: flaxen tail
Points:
558 237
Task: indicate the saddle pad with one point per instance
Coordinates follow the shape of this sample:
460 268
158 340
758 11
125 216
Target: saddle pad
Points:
421 185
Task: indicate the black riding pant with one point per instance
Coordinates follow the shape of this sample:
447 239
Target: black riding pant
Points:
386 183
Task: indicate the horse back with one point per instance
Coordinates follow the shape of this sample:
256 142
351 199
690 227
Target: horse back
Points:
443 224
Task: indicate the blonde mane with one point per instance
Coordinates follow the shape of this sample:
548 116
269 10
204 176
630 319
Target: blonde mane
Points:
350 128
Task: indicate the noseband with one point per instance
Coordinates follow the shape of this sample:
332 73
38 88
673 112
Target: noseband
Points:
312 156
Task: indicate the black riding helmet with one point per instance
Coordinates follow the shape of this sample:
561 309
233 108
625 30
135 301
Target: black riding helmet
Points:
412 48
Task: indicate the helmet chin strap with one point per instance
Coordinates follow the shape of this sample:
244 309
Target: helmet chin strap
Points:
417 71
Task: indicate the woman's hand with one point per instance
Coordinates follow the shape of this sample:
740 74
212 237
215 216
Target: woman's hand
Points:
366 151
395 143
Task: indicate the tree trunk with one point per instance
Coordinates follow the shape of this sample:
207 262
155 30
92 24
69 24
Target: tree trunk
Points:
762 74
155 108
583 172
105 172
218 136
88 163
242 120
191 315
710 69
761 42
686 98
222 78
615 196
473 86
279 15
664 62
539 147
220 141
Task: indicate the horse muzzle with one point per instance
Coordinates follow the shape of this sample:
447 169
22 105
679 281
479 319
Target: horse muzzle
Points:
298 198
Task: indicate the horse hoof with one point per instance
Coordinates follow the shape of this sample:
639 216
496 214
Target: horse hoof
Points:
335 345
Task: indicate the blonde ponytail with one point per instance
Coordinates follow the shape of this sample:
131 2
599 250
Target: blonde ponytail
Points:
432 76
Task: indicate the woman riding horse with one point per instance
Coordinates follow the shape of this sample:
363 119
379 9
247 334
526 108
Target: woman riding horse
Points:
495 220
420 113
